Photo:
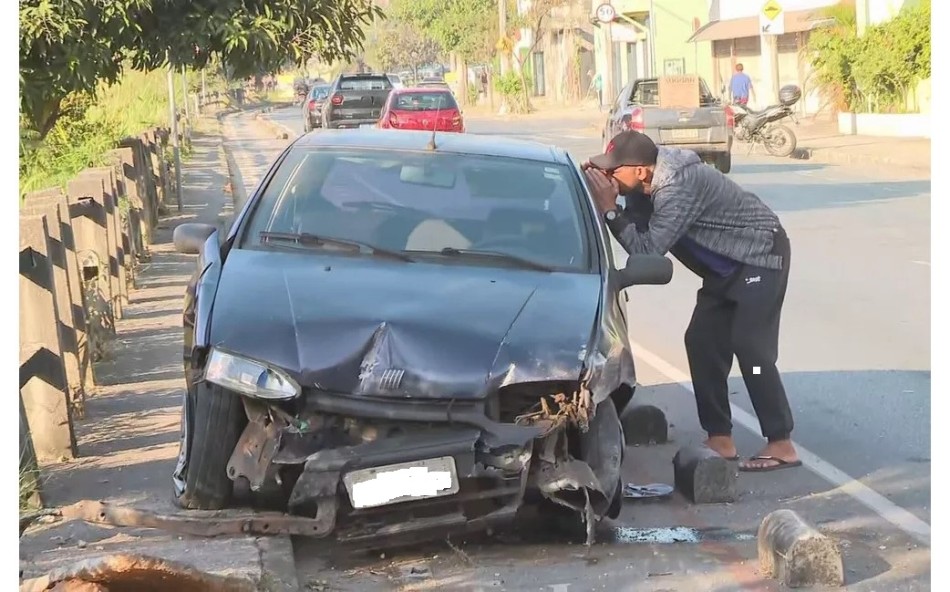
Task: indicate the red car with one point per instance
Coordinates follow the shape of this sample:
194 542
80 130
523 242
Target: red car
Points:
422 109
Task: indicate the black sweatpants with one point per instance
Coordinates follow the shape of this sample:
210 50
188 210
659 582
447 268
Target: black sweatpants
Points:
739 315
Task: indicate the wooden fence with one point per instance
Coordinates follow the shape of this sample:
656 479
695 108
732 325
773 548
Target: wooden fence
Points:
79 251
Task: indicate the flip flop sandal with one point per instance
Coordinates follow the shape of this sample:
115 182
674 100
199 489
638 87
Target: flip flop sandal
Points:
651 491
781 464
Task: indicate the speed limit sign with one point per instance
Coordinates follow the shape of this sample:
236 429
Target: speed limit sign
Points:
606 13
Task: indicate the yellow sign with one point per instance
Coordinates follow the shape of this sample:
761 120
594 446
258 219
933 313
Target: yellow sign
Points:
504 44
771 9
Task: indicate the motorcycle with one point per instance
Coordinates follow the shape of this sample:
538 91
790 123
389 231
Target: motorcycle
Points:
762 127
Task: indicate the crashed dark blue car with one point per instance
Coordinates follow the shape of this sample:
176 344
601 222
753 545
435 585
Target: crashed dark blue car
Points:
407 333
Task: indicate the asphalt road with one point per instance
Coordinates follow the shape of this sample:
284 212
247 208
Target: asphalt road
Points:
855 356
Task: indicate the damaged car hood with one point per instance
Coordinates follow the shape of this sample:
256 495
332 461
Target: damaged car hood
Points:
372 326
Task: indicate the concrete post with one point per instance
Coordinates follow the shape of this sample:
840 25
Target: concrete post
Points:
117 263
768 94
29 468
90 228
62 258
131 217
42 373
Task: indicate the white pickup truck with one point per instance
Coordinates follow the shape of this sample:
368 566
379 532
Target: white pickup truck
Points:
706 130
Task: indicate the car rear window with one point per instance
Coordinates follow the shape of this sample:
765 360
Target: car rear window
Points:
320 92
424 101
424 202
648 92
376 83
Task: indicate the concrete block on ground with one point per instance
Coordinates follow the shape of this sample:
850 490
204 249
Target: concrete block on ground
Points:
796 554
52 204
645 424
703 476
43 383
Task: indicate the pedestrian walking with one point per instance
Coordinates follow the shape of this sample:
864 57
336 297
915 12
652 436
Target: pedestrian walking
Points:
736 244
741 86
597 83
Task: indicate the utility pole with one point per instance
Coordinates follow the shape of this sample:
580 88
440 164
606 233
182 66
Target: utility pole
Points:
184 94
204 88
608 83
173 120
503 34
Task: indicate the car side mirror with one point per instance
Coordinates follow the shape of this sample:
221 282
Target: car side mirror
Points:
645 270
190 237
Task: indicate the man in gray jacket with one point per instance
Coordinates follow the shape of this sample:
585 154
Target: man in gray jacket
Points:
676 204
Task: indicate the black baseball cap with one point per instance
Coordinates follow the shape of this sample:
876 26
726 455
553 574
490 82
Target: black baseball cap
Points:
629 148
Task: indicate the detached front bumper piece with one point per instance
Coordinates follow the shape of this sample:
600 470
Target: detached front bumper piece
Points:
365 478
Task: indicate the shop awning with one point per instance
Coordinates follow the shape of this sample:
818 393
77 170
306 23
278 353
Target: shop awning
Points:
796 21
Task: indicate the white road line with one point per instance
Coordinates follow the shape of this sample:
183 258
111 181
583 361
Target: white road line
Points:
880 505
927 263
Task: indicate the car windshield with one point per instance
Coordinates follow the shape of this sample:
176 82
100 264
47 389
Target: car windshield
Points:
424 101
376 83
427 204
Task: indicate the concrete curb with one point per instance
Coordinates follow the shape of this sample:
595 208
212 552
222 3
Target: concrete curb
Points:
843 157
795 553
278 570
280 130
238 192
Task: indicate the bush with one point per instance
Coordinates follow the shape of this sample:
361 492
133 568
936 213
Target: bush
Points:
91 125
512 90
875 71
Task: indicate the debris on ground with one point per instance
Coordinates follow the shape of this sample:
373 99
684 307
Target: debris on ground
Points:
648 492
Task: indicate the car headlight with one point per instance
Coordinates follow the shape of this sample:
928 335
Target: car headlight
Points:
248 377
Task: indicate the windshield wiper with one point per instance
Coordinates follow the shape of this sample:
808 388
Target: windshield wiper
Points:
307 238
521 261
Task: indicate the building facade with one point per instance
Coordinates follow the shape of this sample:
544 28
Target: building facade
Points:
649 38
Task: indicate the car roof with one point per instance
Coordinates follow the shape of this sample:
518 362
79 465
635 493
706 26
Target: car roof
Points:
422 89
454 143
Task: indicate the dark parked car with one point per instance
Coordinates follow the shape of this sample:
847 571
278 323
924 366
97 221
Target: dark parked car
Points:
397 337
356 100
313 106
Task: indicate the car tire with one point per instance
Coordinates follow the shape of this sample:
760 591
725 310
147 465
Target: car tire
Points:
212 422
724 162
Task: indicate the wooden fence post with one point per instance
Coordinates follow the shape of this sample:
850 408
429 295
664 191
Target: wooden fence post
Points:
42 372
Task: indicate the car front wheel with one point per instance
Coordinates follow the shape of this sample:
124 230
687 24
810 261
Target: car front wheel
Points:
212 420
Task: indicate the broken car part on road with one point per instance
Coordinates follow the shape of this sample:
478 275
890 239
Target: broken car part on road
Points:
482 369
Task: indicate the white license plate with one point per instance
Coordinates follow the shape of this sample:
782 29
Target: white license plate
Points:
391 484
367 125
684 134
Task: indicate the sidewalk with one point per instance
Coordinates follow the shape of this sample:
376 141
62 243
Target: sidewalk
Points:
128 442
820 141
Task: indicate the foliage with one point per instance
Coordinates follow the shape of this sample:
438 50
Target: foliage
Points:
69 46
874 71
513 89
401 44
534 20
468 28
89 126
894 56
